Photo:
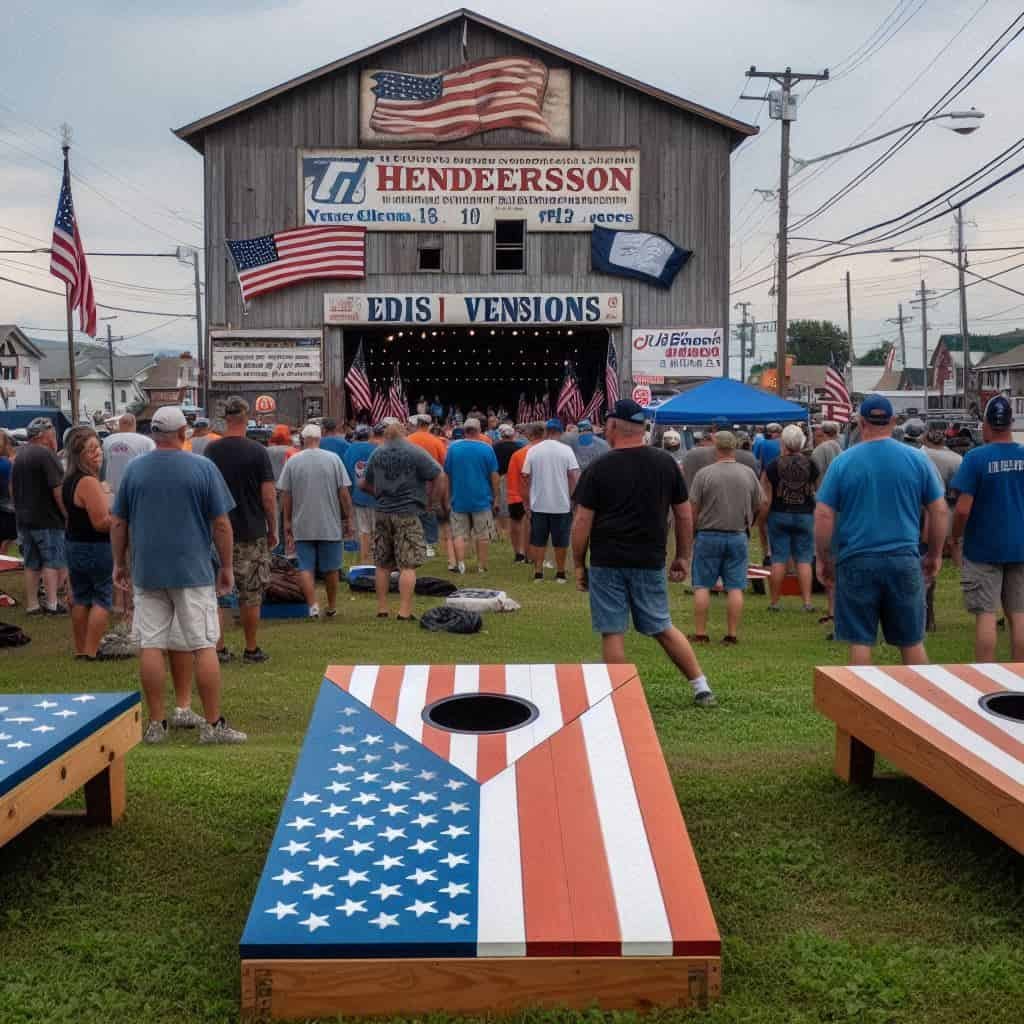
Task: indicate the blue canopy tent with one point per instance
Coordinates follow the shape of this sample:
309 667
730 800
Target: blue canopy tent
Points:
728 399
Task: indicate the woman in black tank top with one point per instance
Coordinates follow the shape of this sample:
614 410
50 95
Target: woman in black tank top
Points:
90 560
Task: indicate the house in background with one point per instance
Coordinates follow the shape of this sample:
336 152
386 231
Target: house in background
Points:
1003 373
170 381
20 359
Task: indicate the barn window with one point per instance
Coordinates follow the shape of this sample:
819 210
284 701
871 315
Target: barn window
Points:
124 395
430 257
509 245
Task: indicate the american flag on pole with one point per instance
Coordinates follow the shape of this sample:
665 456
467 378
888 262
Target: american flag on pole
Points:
611 375
67 258
381 402
837 397
560 838
358 383
503 92
397 406
570 401
275 261
595 406
523 409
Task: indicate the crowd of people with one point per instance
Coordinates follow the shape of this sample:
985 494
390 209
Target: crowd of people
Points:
173 529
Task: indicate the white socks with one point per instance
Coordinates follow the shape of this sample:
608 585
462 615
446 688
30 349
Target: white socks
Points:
700 685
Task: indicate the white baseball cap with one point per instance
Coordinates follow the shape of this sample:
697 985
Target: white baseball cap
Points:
311 430
168 419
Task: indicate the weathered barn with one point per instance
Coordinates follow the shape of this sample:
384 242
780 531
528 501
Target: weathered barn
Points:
478 267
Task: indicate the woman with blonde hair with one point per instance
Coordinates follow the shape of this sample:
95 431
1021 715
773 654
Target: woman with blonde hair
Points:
90 559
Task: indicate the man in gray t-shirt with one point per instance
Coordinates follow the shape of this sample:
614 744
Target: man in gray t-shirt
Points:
585 444
826 446
704 455
314 484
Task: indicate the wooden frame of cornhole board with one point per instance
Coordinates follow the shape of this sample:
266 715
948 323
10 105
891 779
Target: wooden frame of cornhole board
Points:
927 721
54 744
586 885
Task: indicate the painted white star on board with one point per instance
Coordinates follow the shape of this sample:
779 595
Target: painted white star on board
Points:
317 890
421 907
454 831
293 848
366 798
350 907
43 728
419 876
453 860
393 809
283 910
368 777
454 784
300 823
386 862
66 713
306 799
342 749
395 786
360 822
354 877
332 810
422 845
370 740
384 891
356 847
426 776
20 719
341 769
454 920
454 808
287 877
424 798
323 862
19 745
349 712
454 889
84 698
423 820
338 787
315 921
329 834
383 920
398 747
370 758
397 766
391 834
44 704
346 730
4 737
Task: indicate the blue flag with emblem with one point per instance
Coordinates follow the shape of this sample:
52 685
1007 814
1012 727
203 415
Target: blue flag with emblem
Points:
641 254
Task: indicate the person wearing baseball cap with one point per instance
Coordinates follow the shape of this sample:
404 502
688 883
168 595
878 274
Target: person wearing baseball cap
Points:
946 462
867 534
364 505
988 517
586 446
622 507
173 508
202 435
474 485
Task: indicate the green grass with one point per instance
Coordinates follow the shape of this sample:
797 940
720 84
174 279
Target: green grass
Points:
836 904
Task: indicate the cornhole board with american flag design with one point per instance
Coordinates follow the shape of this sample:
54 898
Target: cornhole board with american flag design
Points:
929 721
416 869
52 744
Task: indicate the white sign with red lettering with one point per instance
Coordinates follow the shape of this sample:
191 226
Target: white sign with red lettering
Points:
678 351
642 395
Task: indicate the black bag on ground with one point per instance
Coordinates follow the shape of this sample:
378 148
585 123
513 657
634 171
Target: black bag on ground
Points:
13 636
432 586
451 620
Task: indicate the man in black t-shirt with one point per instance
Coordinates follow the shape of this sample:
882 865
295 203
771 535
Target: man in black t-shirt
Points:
622 503
245 466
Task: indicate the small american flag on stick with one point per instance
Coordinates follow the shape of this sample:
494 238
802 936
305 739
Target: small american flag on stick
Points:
570 402
611 375
595 406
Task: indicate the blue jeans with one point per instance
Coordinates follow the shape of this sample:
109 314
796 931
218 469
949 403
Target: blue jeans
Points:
431 532
718 554
791 535
615 594
90 572
880 589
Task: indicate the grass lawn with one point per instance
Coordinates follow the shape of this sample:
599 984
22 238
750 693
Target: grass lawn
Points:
835 903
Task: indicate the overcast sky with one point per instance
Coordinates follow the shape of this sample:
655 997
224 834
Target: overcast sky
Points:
123 74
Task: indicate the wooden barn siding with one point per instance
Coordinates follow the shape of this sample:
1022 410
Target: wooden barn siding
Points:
251 171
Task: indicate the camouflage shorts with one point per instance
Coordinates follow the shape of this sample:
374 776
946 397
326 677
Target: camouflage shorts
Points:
398 542
252 571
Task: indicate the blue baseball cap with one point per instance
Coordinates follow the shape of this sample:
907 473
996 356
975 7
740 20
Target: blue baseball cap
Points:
999 412
458 434
877 410
554 423
628 410
584 424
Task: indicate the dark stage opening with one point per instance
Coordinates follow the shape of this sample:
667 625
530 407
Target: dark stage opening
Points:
488 367
1004 705
480 713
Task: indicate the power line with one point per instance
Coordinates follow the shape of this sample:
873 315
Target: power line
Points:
101 305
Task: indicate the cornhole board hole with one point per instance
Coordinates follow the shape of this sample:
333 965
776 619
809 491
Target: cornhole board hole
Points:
52 744
957 729
478 839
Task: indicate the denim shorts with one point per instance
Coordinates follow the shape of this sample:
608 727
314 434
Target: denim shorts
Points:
42 549
325 555
91 572
880 589
615 594
717 554
431 532
791 535
556 525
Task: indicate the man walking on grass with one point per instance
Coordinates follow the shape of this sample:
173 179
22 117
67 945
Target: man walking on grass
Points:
402 477
246 469
622 505
315 488
364 505
867 530
472 468
550 472
173 508
120 448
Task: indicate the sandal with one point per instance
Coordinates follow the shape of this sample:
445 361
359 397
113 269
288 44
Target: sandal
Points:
824 619
729 641
699 638
382 615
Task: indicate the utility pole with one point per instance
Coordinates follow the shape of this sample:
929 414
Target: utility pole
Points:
849 328
782 107
745 306
961 265
922 300
110 366
901 320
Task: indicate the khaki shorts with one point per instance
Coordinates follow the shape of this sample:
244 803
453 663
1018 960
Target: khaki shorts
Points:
252 571
987 587
182 619
475 525
398 542
365 517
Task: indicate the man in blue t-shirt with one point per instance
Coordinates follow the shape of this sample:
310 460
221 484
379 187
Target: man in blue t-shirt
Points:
989 516
172 507
867 533
331 440
472 469
356 456
768 448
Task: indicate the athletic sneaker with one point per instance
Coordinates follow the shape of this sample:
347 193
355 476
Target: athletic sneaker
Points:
156 732
560 578
705 700
186 718
538 577
431 553
220 732
38 610
461 568
58 609
224 655
548 565
518 559
314 611
255 657
482 569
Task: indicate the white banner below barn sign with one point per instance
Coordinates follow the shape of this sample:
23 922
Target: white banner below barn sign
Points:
279 357
368 309
677 352
469 189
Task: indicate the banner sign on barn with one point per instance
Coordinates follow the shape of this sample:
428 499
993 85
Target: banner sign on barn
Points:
596 308
678 352
468 189
283 357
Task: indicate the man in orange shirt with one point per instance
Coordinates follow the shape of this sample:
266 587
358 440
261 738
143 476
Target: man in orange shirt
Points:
436 449
518 523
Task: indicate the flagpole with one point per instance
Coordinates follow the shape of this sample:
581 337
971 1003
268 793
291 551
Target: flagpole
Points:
72 375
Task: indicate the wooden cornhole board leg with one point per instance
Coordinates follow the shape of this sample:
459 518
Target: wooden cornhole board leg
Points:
855 761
